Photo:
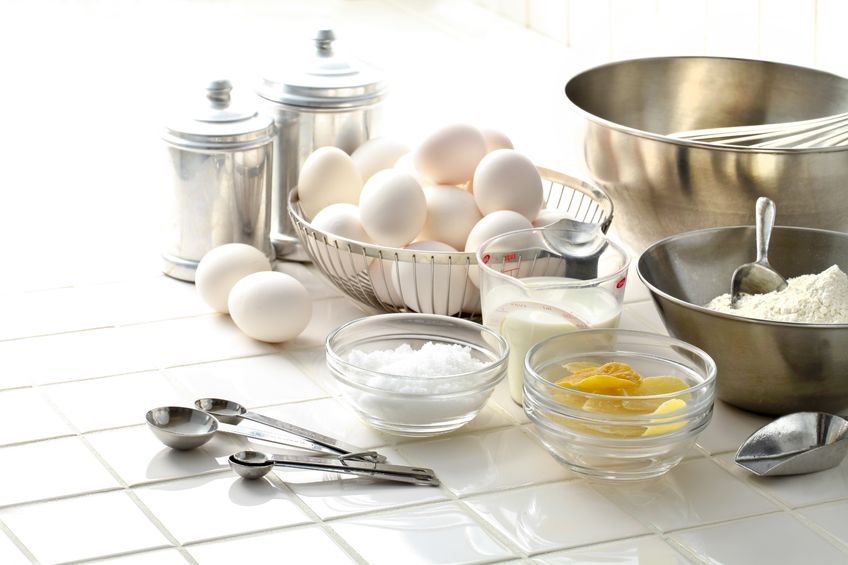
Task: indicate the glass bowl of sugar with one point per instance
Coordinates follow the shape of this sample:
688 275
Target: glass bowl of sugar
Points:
416 374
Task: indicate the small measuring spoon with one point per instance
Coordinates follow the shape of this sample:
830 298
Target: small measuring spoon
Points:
758 277
232 412
255 465
799 443
186 428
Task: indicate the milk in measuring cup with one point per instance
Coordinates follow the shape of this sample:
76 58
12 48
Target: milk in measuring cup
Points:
526 316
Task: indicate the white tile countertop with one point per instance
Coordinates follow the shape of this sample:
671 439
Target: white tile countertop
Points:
92 335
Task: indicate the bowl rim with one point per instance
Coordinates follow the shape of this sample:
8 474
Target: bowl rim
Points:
708 381
497 364
566 282
684 142
742 319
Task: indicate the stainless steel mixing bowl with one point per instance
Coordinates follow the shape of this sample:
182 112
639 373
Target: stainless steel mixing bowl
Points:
768 367
664 186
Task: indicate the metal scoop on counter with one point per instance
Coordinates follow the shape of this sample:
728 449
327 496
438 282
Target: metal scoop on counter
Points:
799 443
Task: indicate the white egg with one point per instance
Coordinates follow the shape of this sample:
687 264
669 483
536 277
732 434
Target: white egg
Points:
428 288
507 180
383 281
392 208
495 139
496 223
406 164
451 213
270 306
340 257
377 154
548 216
451 154
327 176
222 267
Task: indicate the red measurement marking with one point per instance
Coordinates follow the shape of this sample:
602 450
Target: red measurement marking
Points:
510 270
486 258
620 283
510 257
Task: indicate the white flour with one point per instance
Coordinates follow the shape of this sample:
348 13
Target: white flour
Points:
811 299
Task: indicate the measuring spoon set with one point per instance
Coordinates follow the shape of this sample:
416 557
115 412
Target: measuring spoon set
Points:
185 428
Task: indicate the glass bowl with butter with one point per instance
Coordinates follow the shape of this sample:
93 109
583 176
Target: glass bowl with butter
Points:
618 404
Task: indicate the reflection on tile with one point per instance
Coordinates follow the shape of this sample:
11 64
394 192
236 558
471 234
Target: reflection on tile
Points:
777 539
327 315
301 545
796 490
482 462
48 312
686 496
195 340
112 524
78 355
250 381
331 417
78 471
331 495
831 518
542 518
647 550
153 299
9 552
442 533
158 556
111 402
138 457
211 506
314 362
28 416
729 427
648 318
503 400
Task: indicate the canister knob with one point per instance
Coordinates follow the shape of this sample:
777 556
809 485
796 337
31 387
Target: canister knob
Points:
324 42
218 92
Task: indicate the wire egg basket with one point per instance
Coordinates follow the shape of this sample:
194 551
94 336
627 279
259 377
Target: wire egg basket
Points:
433 282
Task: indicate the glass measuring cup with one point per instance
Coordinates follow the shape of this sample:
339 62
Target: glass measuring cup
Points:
542 282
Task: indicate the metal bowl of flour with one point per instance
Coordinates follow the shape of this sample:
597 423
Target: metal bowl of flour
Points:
763 366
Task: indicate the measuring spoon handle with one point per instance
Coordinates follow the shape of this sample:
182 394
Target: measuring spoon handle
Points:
397 473
265 436
324 443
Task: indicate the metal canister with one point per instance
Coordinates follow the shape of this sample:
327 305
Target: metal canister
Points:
220 164
329 100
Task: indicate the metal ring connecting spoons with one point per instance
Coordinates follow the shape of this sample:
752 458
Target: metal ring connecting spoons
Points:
232 412
255 465
187 428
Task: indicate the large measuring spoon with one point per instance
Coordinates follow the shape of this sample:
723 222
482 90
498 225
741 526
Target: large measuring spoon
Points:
758 277
255 465
186 428
232 412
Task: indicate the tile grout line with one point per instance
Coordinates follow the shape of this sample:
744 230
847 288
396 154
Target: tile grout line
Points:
17 542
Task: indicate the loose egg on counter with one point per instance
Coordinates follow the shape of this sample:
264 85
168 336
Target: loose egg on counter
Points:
328 176
450 155
431 289
222 267
377 154
451 213
495 139
392 208
270 306
496 223
507 180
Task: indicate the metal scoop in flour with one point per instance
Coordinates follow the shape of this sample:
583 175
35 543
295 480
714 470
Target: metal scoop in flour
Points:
758 277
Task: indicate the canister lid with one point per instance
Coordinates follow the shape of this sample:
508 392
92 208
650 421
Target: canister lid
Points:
326 80
218 125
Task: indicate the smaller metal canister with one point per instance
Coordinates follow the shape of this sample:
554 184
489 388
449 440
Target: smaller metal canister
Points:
325 100
220 162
